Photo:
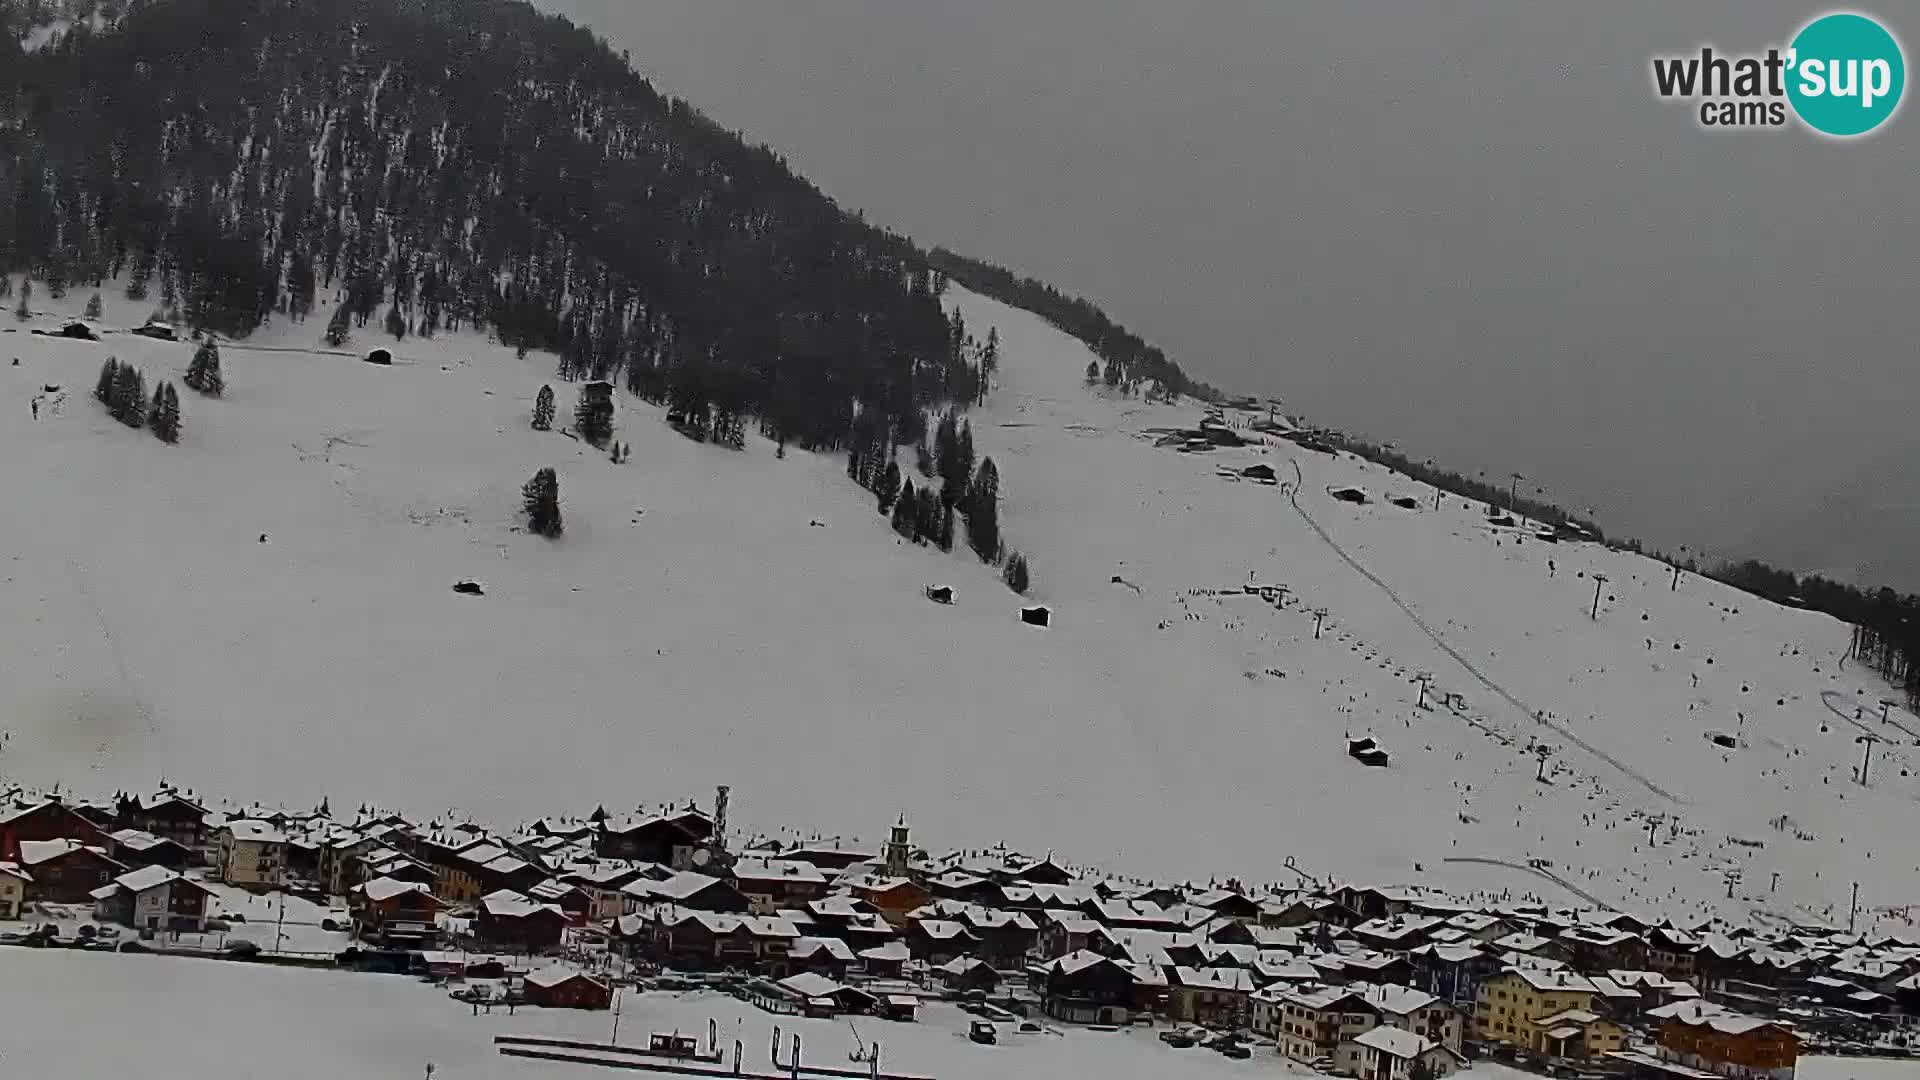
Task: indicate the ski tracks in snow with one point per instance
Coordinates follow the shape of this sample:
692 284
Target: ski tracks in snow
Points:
1532 714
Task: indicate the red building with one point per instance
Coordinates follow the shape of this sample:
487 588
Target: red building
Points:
45 821
66 871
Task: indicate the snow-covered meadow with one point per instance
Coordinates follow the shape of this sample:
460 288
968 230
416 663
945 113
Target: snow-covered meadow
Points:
177 1019
719 617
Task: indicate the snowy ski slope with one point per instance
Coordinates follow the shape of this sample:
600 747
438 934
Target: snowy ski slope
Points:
694 626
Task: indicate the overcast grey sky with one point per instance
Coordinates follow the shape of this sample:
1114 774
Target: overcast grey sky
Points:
1466 227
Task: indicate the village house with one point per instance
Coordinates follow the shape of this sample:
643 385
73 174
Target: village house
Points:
66 871
1214 996
1006 937
565 988
884 961
1701 1035
251 854
689 889
166 813
13 890
668 839
137 848
510 920
1395 933
822 956
1388 1053
1451 972
937 941
569 898
392 914
716 941
1085 988
1546 1012
1314 1023
45 820
1672 952
770 885
968 973
893 897
603 880
154 898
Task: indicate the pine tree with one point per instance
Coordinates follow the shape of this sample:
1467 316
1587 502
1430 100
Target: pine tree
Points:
1093 372
340 327
990 356
129 403
94 307
543 409
203 372
922 460
889 486
541 499
23 312
165 417
396 323
1015 574
983 512
944 537
109 378
903 505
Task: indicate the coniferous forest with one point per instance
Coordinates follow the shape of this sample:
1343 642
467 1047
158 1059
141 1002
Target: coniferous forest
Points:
395 167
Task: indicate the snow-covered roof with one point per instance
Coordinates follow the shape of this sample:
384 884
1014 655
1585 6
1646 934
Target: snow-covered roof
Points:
804 948
1230 979
1395 1042
152 877
507 904
891 952
249 830
811 985
386 888
1555 980
14 869
556 975
35 852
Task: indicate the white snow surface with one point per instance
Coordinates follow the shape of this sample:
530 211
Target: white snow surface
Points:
154 1014
693 628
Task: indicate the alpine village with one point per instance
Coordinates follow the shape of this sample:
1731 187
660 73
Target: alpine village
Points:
1352 980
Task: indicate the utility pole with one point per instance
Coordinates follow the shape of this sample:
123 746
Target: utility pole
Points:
1775 887
1598 581
280 926
1513 497
1426 681
1853 913
1675 586
614 1040
1319 618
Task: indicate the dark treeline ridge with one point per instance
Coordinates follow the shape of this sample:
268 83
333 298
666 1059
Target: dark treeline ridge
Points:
1129 359
1886 624
428 164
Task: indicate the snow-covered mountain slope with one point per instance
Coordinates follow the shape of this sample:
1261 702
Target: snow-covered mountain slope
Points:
696 626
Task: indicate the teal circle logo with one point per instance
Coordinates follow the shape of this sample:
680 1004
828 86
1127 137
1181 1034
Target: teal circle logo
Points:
1846 74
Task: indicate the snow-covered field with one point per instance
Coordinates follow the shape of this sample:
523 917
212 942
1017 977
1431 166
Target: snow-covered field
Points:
694 627
178 1019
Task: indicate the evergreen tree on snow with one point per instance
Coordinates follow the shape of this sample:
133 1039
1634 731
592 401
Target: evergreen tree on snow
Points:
340 327
889 486
203 373
1093 372
922 459
944 537
1015 574
23 312
164 419
109 377
6 286
396 323
541 499
983 512
903 505
129 400
990 355
543 409
94 307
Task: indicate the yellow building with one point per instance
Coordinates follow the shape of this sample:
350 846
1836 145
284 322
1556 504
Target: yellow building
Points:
1550 1013
252 854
